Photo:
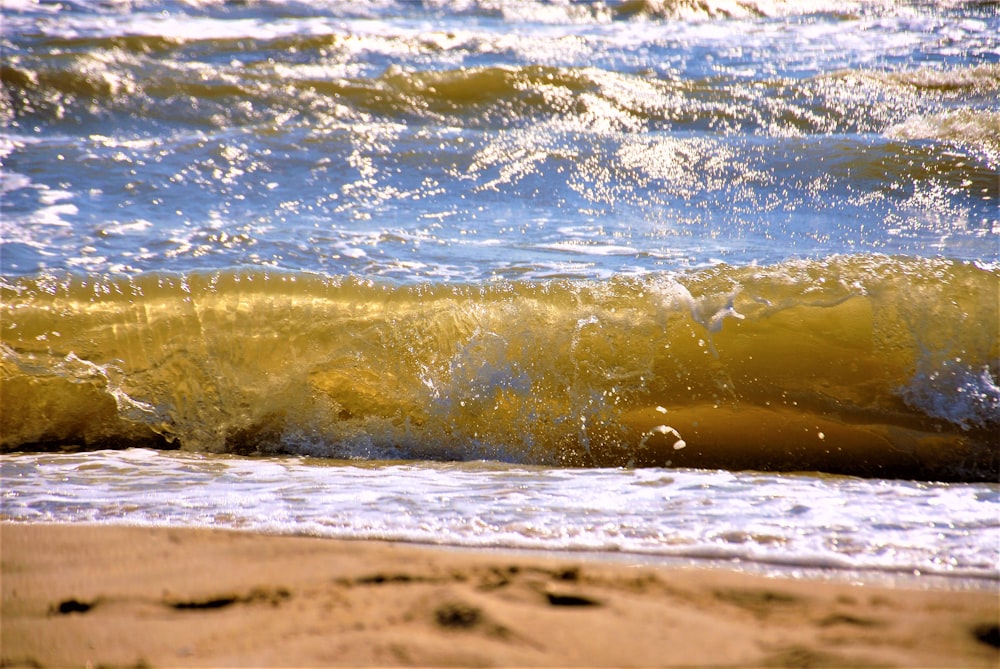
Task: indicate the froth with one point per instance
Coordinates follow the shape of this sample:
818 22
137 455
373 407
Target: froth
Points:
977 129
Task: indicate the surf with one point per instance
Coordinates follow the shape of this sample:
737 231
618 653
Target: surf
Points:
867 365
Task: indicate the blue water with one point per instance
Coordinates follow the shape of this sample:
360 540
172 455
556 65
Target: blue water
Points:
500 147
466 142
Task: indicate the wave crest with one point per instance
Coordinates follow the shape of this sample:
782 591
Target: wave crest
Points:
845 365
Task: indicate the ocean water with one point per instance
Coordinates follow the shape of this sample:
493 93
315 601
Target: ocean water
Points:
698 280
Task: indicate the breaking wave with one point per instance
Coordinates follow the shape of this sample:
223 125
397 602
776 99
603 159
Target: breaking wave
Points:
864 365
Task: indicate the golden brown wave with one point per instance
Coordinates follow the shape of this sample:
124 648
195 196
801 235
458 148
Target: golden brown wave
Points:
862 365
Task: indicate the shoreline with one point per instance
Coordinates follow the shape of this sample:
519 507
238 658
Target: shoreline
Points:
142 596
754 568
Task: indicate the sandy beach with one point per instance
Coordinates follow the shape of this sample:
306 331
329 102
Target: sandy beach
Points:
132 597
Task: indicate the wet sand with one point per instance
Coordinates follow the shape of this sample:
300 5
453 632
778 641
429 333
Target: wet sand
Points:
131 597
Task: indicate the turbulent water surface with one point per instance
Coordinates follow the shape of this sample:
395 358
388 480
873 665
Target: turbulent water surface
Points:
578 269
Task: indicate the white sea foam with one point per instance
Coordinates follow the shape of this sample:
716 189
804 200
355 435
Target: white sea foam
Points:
847 523
977 129
11 181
